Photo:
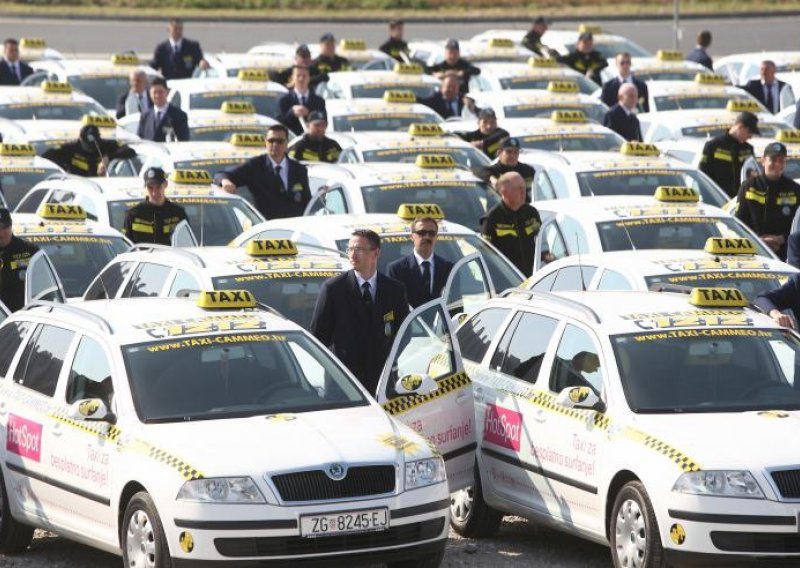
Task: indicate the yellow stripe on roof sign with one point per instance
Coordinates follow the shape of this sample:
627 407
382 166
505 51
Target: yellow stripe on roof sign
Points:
742 105
720 245
542 62
125 59
501 42
408 69
98 121
590 28
226 299
411 211
717 298
353 44
17 150
252 74
61 211
788 136
271 247
676 193
237 107
639 149
56 87
398 96
709 79
669 55
563 87
191 177
425 129
32 43
242 139
568 116
435 161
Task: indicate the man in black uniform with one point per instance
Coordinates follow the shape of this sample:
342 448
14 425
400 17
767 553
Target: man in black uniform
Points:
585 59
359 312
533 39
327 61
396 46
279 184
768 202
15 253
314 146
154 219
455 63
89 155
512 224
488 136
177 57
724 155
508 161
302 58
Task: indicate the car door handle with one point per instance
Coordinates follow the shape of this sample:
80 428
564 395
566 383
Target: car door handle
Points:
477 394
462 398
540 416
3 407
56 429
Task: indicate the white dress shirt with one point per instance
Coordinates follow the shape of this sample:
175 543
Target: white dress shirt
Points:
284 173
373 284
420 260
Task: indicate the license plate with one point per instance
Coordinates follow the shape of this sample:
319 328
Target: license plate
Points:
339 523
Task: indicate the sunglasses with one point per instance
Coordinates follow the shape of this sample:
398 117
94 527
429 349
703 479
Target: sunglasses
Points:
276 140
425 233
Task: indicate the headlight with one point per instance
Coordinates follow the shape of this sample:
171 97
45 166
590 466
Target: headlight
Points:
221 490
719 484
424 472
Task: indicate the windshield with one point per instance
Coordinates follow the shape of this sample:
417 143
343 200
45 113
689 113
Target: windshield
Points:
223 133
709 370
751 284
695 100
105 90
266 102
670 233
235 375
594 112
15 183
586 85
573 142
645 182
467 157
382 121
376 90
67 110
464 202
78 258
452 248
768 130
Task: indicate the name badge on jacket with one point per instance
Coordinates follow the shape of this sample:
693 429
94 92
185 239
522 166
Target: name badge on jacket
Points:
388 318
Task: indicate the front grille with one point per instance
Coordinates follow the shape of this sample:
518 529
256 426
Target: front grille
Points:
298 545
315 485
756 542
788 483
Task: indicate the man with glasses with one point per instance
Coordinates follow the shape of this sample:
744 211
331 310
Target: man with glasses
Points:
154 219
279 184
359 312
423 273
624 76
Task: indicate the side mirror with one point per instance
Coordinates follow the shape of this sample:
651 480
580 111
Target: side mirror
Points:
415 384
580 397
91 410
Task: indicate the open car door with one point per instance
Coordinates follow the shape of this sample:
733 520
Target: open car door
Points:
424 385
468 286
42 281
183 236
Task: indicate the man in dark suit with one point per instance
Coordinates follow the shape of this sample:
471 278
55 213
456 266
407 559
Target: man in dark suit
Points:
700 54
137 99
279 184
621 118
177 57
162 122
624 75
447 101
768 88
358 313
295 106
423 273
12 70
786 297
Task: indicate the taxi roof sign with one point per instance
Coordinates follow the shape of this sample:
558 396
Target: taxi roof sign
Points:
32 43
568 116
435 161
408 69
226 299
537 61
788 136
717 298
61 211
639 149
17 150
125 59
501 42
590 28
251 74
676 193
98 121
242 139
742 105
425 129
353 44
563 87
271 247
399 96
669 55
237 107
721 245
56 87
411 211
709 79
191 177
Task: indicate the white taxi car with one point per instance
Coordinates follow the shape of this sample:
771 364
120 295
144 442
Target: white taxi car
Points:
230 64
537 73
739 68
533 103
396 110
21 169
48 101
667 65
104 445
707 91
372 84
357 54
479 53
636 420
250 85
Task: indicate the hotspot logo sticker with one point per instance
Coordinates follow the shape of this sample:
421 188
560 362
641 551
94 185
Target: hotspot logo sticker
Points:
24 438
502 427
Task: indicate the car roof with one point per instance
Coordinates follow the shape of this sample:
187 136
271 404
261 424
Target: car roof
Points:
695 117
37 95
385 173
517 69
597 161
525 96
661 88
365 141
202 150
31 224
205 84
350 78
88 67
57 129
26 162
618 207
344 107
199 118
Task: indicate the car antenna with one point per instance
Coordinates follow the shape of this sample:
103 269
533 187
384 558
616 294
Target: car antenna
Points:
627 234
580 264
202 223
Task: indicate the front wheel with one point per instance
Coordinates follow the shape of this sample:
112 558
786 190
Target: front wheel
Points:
635 539
143 542
470 516
14 536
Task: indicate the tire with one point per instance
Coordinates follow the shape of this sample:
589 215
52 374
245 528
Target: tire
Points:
432 561
470 516
14 536
633 530
142 535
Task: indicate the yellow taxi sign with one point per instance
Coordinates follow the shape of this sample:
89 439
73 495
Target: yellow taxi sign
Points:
32 43
61 211
425 129
353 44
788 136
709 79
568 116
125 59
56 87
252 75
435 161
563 87
590 29
742 105
669 55
237 107
501 42
721 245
639 149
411 211
17 150
408 69
243 139
271 247
537 61
717 298
98 121
676 193
191 177
398 96
226 299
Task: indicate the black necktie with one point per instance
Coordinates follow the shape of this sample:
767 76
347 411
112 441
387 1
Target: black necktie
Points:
366 294
159 116
15 67
426 277
302 100
770 102
280 179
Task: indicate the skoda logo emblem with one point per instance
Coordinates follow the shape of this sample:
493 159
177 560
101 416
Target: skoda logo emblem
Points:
336 471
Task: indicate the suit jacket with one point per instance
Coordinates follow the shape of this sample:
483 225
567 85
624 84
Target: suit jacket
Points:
755 88
287 101
699 55
271 199
9 78
359 336
443 108
128 104
406 270
174 118
793 250
611 89
620 122
180 67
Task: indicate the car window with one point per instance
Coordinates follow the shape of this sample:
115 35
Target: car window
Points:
577 363
553 246
42 359
475 336
523 346
183 281
569 278
613 280
348 157
545 283
148 281
90 375
542 187
574 233
109 281
11 337
30 203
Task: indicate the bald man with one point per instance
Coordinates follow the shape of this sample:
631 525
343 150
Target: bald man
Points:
621 118
512 224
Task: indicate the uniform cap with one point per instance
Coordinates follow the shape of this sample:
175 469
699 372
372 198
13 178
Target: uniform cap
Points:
326 37
541 20
154 175
5 217
302 50
749 120
586 36
487 113
775 149
451 44
316 116
510 143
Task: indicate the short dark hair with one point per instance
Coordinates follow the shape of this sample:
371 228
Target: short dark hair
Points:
10 41
704 38
425 220
296 67
173 21
623 54
372 237
158 81
278 128
396 23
